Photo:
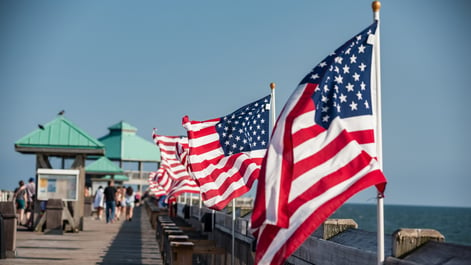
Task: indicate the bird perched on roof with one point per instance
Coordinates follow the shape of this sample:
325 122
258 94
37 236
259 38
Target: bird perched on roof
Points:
61 112
41 126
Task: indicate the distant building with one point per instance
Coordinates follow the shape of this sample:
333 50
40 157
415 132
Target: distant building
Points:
101 171
135 155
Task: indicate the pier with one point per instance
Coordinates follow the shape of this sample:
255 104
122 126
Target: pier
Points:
123 242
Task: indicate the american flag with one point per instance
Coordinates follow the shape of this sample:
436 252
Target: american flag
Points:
322 150
183 151
157 188
169 161
183 186
226 153
187 185
172 178
159 182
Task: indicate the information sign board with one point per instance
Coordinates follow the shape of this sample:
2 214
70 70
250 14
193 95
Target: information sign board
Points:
58 184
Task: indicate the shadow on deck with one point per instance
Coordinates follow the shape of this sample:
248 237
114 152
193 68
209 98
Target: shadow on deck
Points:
134 243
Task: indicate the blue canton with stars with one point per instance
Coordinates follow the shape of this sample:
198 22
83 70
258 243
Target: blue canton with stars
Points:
343 80
245 129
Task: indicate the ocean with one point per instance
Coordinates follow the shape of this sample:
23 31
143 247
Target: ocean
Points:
452 222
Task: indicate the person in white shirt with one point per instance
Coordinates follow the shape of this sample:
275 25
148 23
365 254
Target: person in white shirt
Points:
98 203
129 199
30 198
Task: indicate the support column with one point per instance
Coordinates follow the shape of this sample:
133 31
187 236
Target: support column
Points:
141 176
78 206
42 161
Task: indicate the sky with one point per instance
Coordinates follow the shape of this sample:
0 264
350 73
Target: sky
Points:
149 63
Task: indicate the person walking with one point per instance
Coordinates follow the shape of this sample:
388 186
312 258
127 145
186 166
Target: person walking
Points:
119 206
110 197
137 198
31 197
123 200
20 197
98 203
129 200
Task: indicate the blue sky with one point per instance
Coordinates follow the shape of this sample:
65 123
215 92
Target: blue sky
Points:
149 63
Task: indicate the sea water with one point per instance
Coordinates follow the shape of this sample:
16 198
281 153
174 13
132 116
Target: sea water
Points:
452 222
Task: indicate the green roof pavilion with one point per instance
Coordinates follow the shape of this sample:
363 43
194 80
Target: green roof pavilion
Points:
61 138
103 170
126 147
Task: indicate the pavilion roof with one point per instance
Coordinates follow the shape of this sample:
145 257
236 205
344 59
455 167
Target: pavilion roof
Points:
103 166
122 143
59 137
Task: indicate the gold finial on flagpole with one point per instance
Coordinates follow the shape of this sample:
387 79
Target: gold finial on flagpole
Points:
376 5
272 85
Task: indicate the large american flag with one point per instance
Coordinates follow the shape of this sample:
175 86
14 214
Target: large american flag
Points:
226 153
322 150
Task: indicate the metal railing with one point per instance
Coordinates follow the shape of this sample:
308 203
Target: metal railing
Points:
6 195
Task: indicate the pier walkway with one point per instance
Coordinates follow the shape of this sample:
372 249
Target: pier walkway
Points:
123 242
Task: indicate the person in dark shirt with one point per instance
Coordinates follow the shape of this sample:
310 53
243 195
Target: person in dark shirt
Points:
110 197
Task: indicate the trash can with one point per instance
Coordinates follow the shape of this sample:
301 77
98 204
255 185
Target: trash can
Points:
186 212
7 210
207 220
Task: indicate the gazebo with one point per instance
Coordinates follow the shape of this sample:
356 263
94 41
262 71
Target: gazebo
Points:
135 155
63 139
101 171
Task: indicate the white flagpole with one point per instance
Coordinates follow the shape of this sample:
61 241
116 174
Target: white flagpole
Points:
186 203
200 205
213 219
191 202
272 105
233 230
376 5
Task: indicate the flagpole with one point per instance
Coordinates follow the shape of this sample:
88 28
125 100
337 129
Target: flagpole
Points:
376 6
233 231
272 105
200 205
191 202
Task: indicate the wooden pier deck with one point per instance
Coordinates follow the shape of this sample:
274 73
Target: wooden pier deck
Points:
123 242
